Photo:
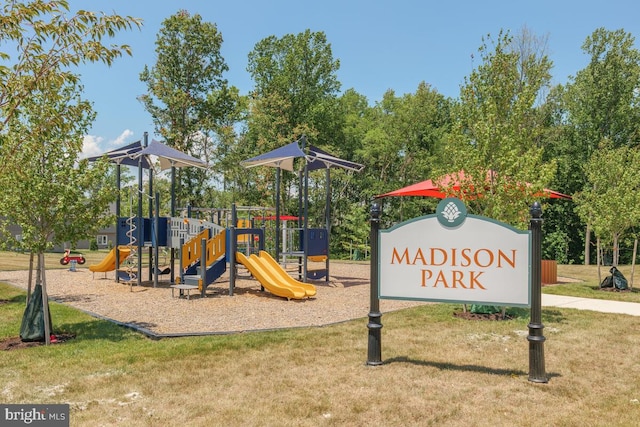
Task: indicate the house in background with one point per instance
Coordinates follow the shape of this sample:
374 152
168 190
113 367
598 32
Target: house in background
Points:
105 238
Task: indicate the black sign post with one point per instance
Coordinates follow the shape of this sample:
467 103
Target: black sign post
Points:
374 354
536 339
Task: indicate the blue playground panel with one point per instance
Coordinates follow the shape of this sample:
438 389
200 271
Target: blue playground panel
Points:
148 234
318 242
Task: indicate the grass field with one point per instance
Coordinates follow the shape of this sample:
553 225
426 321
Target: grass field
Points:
20 261
438 370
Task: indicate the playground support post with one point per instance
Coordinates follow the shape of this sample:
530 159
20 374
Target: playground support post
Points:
156 237
172 260
151 263
327 205
277 252
117 242
374 353
180 254
232 247
536 338
139 235
305 237
203 268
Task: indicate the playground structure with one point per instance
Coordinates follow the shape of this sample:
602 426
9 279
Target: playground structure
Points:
136 232
206 247
213 246
313 243
202 243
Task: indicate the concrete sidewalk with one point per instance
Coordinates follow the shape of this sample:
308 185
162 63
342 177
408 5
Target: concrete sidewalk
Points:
602 305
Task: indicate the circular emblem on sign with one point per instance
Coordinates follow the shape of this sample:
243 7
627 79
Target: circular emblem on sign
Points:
451 212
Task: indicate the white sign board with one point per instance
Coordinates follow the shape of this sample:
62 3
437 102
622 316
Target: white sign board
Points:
455 257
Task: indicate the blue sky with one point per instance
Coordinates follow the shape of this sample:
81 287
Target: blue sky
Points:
381 45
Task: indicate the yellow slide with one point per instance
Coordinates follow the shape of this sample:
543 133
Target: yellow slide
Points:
281 274
269 281
109 262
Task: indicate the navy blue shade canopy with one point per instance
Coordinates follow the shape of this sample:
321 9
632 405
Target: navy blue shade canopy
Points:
280 157
134 153
124 156
170 157
284 156
319 159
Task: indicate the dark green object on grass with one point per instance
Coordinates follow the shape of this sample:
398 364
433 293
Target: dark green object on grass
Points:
32 327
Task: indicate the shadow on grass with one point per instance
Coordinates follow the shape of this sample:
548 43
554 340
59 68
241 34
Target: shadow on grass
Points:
94 330
555 316
17 299
515 313
444 366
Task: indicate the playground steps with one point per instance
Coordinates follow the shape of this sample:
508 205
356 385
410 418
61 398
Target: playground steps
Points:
212 273
214 257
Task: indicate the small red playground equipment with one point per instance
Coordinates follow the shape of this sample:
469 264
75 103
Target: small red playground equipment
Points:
68 257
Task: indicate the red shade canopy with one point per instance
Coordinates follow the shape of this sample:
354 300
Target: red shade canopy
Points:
451 183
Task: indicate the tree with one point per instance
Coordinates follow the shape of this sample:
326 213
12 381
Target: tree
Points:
43 118
295 94
609 201
496 137
405 137
53 196
188 97
300 73
48 42
602 102
561 242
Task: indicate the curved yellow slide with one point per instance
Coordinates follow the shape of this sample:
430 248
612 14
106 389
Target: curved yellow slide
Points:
268 280
281 274
109 262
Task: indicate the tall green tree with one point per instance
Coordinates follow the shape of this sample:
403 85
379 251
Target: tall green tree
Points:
609 202
190 101
51 196
403 141
295 94
496 137
295 78
54 196
601 103
602 100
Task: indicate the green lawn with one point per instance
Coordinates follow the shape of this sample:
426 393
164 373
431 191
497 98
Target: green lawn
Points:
437 370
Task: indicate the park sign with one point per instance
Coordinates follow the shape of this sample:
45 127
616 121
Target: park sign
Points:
455 257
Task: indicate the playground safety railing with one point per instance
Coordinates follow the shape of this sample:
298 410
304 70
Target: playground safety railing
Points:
191 250
216 246
185 229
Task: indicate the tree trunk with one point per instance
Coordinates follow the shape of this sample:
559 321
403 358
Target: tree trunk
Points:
587 238
599 259
45 299
633 262
30 277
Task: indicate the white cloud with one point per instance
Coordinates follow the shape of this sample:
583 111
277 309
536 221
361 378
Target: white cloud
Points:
121 139
93 145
